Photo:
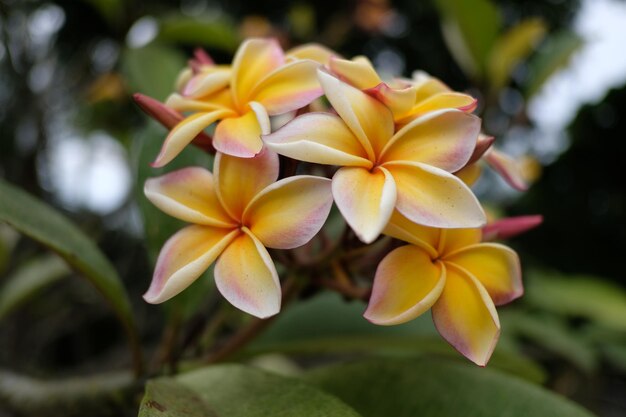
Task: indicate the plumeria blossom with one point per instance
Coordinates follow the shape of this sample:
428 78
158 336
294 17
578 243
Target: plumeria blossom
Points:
432 94
260 83
382 169
313 51
451 271
407 99
236 213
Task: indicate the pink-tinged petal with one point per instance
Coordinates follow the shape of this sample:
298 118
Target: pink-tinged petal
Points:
427 86
496 266
507 167
510 227
407 283
288 88
447 100
241 136
370 121
188 194
432 197
247 278
469 174
466 317
160 112
184 76
288 213
426 238
169 118
261 116
483 143
217 101
444 139
452 240
358 72
239 180
313 51
399 100
254 59
184 133
184 257
366 199
207 82
203 57
321 138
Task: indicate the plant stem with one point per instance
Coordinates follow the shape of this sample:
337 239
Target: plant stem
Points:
248 333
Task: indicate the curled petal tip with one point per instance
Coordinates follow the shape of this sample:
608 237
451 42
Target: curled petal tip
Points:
483 144
508 168
468 108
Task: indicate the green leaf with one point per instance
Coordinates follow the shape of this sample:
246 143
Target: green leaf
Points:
29 279
166 398
8 240
553 55
204 31
552 334
437 388
111 10
327 324
152 70
42 223
588 297
158 226
512 48
240 391
470 29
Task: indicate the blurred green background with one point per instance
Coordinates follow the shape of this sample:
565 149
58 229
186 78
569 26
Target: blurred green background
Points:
550 77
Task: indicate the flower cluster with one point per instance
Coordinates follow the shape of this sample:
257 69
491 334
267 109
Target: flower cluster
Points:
400 154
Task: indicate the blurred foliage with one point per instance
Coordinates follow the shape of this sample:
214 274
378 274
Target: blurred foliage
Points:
581 196
68 68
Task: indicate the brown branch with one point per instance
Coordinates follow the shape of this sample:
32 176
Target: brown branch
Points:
248 333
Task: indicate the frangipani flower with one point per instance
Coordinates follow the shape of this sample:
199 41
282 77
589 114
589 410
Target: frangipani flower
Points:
313 51
259 84
451 271
359 72
236 213
382 169
407 99
431 94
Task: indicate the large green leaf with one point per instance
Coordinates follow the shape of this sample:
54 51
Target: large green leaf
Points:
205 31
165 397
437 388
553 55
152 70
240 391
512 48
470 29
589 297
552 334
327 324
8 240
48 227
30 279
